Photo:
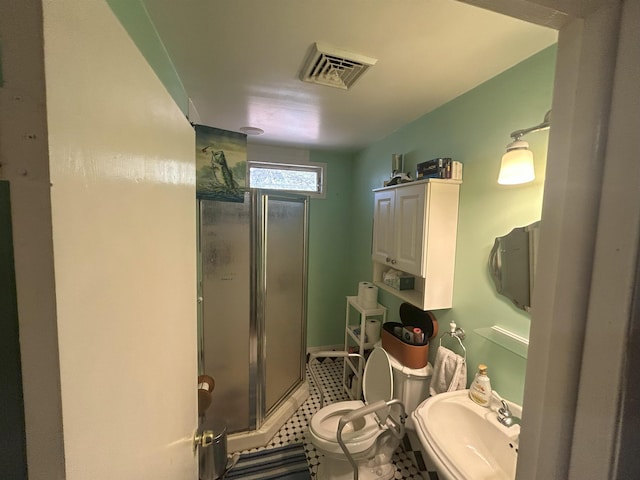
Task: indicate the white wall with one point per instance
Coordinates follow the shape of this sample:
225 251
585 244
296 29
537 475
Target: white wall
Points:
123 210
104 231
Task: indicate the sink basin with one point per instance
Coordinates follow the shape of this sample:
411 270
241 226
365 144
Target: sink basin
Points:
466 441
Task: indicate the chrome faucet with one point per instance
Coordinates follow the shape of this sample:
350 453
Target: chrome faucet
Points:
505 417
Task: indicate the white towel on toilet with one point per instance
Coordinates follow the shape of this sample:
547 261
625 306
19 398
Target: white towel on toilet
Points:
449 372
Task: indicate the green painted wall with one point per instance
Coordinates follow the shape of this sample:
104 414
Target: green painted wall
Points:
474 129
329 247
134 18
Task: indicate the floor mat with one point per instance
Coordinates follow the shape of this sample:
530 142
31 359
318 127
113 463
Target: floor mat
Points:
287 463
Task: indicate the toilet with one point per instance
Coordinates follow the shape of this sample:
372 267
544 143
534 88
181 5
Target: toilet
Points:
371 439
411 386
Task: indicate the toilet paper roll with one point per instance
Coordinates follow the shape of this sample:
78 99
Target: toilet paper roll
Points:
369 298
361 288
372 329
418 336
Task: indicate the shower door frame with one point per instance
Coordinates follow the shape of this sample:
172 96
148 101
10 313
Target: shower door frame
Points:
259 202
202 307
258 210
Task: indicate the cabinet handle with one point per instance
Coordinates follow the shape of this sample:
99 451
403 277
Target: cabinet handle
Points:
393 262
388 260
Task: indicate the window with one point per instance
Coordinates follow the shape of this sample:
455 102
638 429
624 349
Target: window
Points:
299 178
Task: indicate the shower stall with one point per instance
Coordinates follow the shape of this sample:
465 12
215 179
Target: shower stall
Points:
252 315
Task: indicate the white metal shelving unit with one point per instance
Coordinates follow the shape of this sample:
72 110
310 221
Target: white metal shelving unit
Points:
354 337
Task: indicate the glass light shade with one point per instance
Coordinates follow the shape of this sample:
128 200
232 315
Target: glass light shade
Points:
517 164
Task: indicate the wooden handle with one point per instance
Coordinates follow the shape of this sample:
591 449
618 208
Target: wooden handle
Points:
207 382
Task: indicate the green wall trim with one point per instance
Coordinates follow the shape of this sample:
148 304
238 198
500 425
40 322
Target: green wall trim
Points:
133 16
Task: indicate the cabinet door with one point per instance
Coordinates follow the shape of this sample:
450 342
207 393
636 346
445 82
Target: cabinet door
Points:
383 231
409 224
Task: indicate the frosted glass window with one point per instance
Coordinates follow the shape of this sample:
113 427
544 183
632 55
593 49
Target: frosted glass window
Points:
292 178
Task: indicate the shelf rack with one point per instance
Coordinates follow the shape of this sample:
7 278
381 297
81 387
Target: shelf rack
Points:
506 339
353 369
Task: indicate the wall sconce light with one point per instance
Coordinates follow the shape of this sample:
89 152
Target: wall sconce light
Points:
517 162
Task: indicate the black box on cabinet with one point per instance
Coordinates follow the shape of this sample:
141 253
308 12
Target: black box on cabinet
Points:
436 168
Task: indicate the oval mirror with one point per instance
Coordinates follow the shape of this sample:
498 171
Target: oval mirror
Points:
512 264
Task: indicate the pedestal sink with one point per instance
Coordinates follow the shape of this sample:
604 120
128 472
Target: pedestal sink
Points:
464 440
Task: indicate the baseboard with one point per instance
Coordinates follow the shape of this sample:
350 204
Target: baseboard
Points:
338 347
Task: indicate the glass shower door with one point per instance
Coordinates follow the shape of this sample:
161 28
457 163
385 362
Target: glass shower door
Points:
253 288
284 295
225 249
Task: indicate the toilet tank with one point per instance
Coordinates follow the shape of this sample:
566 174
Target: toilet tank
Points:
410 385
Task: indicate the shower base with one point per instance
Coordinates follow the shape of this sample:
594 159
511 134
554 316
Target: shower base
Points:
259 438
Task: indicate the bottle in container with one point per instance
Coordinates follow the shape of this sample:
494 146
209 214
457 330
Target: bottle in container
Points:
480 390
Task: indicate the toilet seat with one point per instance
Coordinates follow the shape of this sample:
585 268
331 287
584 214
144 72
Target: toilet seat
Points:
359 436
377 385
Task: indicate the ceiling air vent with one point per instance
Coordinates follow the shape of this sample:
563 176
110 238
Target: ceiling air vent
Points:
334 67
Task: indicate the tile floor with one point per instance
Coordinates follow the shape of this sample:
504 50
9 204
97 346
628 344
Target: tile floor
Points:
410 462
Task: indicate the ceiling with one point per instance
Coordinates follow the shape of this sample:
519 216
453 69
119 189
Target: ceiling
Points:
240 61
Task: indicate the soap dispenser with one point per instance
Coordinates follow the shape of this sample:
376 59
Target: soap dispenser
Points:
480 390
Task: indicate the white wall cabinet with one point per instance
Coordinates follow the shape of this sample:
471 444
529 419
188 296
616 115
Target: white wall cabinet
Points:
415 227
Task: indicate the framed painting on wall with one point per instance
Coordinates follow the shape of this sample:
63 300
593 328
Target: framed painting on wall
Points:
221 163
